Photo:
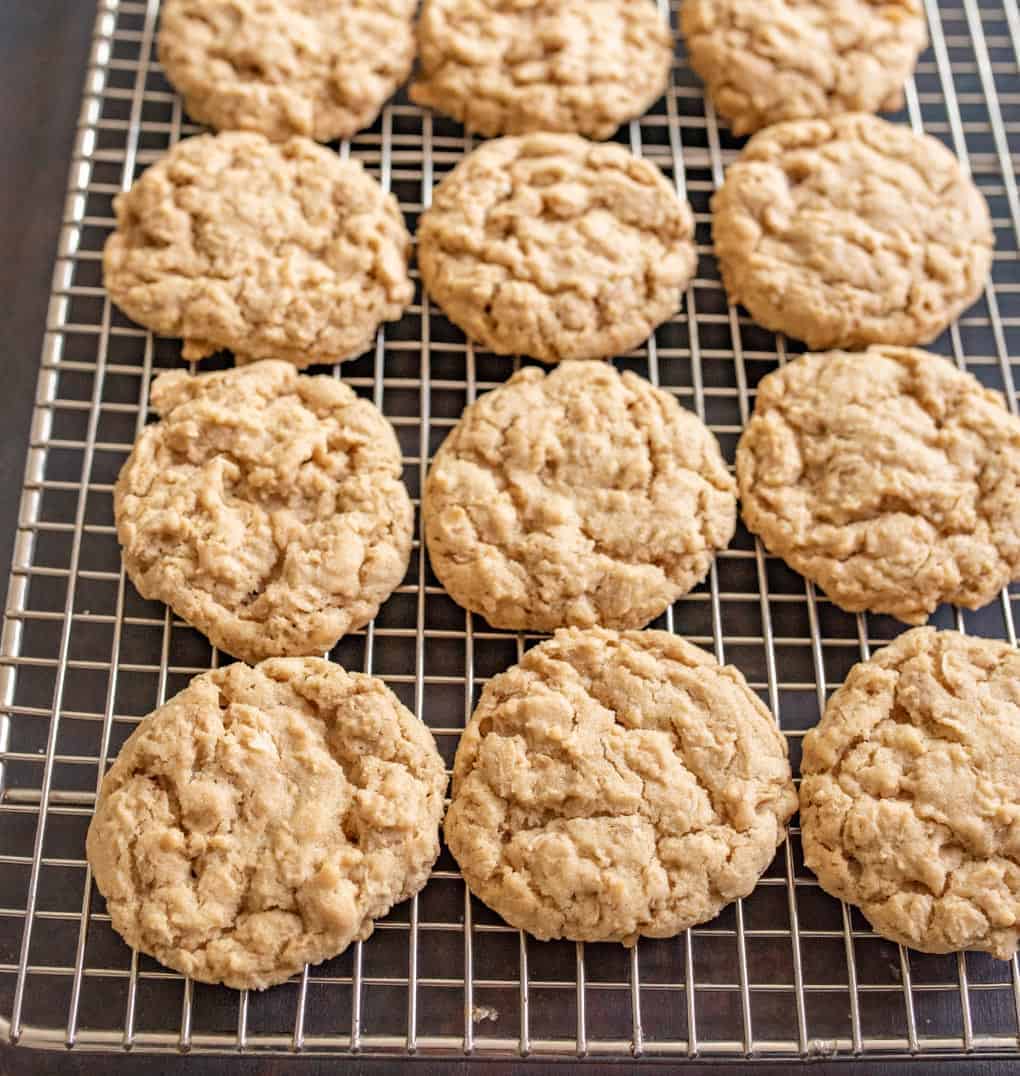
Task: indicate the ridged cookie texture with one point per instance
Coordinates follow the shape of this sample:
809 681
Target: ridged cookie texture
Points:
616 785
551 246
582 497
263 818
766 61
274 251
851 231
910 793
515 66
320 68
265 507
889 477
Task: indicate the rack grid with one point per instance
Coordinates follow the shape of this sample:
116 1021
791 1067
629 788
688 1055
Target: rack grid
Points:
787 972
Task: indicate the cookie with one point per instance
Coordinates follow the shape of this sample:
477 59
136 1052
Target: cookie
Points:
507 67
889 477
263 818
550 246
319 68
851 231
579 498
266 508
273 251
616 785
910 797
766 61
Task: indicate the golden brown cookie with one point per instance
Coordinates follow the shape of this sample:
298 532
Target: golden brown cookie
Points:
910 798
273 251
614 785
580 497
766 61
550 246
263 818
266 508
321 68
851 231
889 477
507 67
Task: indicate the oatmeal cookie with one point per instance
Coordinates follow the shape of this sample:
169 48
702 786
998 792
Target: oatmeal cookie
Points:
889 477
851 231
614 785
320 68
266 508
579 498
273 251
550 246
766 61
516 66
910 798
263 818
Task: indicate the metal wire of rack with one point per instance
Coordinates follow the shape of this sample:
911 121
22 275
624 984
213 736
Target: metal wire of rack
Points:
787 972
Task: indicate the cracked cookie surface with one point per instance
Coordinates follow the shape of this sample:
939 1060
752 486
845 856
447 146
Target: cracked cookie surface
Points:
514 66
851 231
889 477
580 497
910 797
766 61
555 247
273 251
263 818
616 785
266 508
320 68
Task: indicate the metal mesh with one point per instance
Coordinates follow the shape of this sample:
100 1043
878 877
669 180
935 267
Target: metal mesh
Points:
786 972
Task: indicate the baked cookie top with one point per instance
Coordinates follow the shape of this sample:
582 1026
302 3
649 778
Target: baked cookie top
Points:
766 61
551 246
320 68
265 507
614 785
579 498
889 477
851 231
273 251
514 66
910 797
263 818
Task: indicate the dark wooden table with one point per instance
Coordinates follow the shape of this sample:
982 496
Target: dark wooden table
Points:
43 50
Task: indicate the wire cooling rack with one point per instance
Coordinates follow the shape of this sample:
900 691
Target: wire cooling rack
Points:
787 972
